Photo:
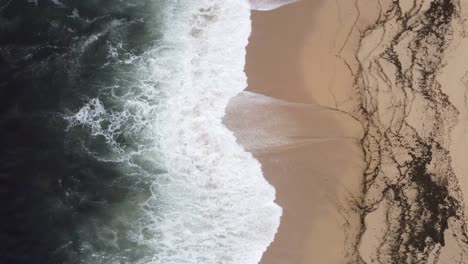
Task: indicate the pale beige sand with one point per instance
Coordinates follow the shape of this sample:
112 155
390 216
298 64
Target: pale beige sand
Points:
310 153
347 55
340 48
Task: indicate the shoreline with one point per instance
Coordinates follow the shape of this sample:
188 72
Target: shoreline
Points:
308 152
397 86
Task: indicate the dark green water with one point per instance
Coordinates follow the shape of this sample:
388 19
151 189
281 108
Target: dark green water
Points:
112 148
57 198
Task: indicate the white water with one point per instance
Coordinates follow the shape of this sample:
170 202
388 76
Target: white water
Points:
213 205
265 5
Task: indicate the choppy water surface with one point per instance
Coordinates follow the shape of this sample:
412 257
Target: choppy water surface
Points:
112 146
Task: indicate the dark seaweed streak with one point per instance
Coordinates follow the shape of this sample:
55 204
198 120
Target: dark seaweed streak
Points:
421 193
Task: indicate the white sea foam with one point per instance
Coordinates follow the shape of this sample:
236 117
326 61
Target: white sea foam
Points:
33 1
57 2
213 204
219 208
269 4
101 122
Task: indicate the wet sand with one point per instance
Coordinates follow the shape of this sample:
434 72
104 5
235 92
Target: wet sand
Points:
367 145
310 153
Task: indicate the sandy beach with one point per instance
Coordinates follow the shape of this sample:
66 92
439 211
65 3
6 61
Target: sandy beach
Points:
355 111
316 171
309 152
234 132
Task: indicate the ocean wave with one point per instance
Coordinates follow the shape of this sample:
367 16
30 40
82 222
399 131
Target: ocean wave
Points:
211 204
269 4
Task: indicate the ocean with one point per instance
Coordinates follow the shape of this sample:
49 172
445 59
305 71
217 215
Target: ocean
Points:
112 144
